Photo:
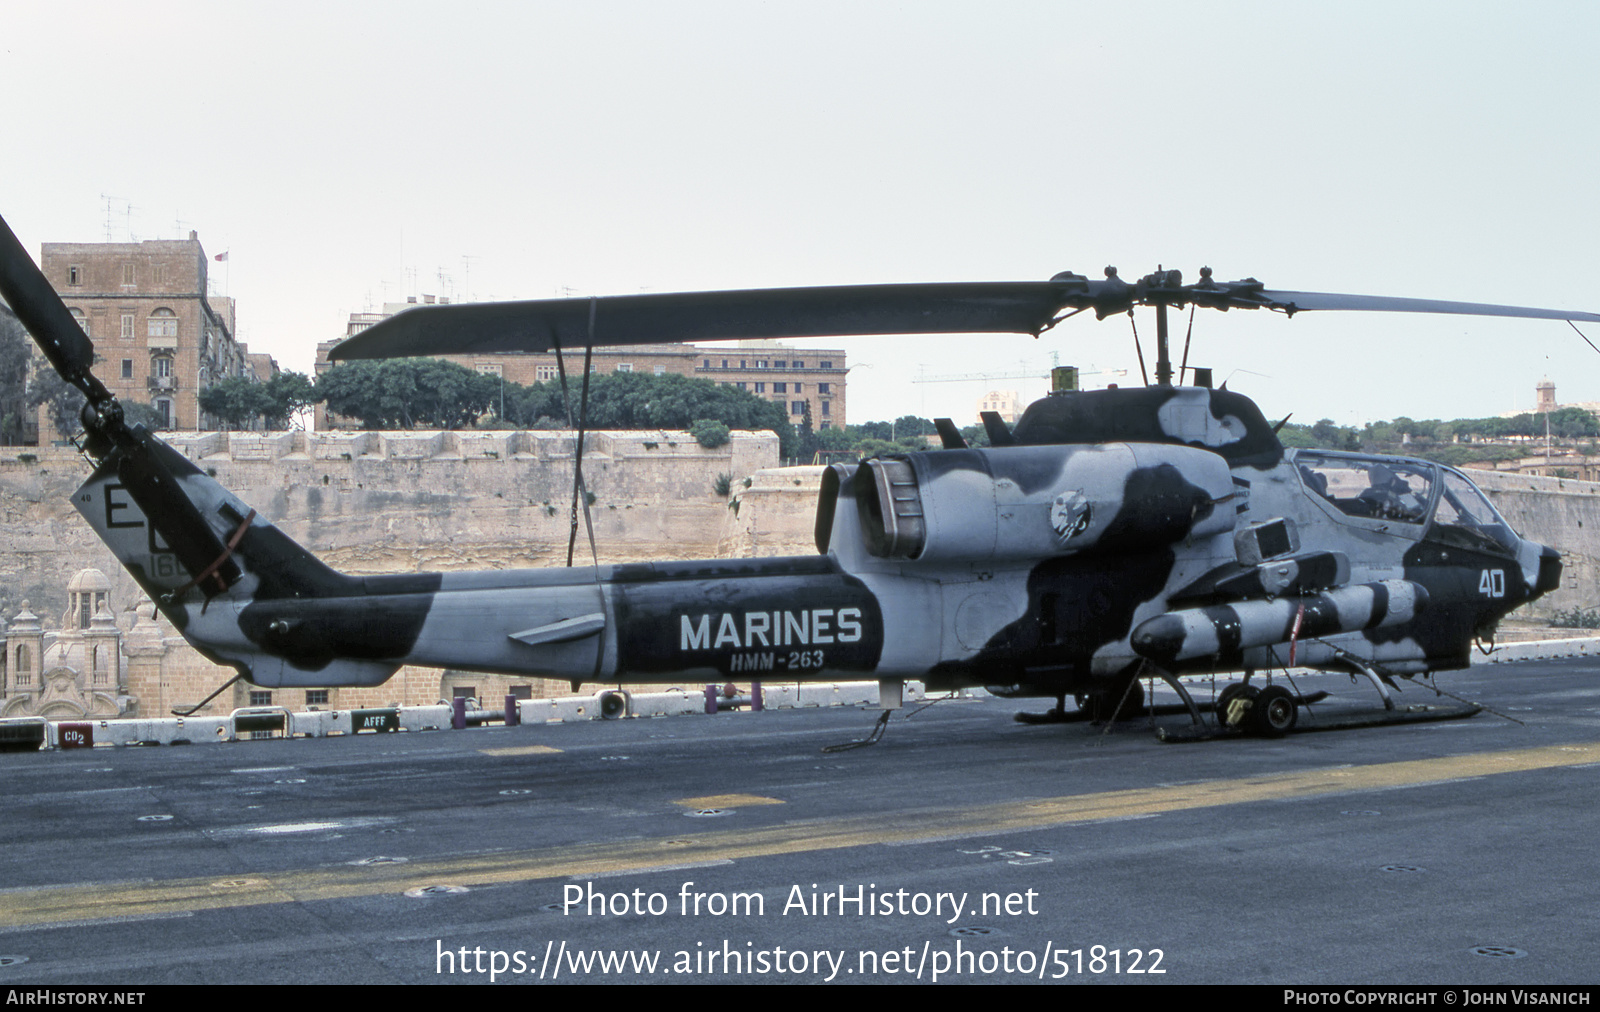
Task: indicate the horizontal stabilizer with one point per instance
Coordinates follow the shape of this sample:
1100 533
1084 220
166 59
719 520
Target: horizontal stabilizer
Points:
566 630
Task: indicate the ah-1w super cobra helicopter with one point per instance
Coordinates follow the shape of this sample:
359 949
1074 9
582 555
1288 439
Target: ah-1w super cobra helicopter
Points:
1113 534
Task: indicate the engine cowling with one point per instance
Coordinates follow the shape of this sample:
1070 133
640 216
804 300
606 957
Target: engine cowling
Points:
1011 504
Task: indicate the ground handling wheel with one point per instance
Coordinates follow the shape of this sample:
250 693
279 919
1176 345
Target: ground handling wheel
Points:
1273 713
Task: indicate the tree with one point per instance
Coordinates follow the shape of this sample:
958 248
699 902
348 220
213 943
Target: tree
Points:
1384 433
709 433
975 435
536 407
872 447
287 395
913 425
239 402
351 389
63 402
1573 423
1329 436
16 349
140 413
236 401
633 400
406 393
449 396
1297 437
805 436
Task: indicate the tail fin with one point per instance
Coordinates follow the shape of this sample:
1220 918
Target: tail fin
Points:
251 605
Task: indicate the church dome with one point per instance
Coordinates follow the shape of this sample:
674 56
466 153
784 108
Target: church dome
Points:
89 580
87 593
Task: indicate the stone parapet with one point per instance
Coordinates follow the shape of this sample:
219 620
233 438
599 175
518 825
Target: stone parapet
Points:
258 445
338 445
745 452
1494 482
772 512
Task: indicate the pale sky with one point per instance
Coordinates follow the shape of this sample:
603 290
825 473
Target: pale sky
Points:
347 154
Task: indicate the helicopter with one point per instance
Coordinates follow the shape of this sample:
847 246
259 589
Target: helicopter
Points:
1109 536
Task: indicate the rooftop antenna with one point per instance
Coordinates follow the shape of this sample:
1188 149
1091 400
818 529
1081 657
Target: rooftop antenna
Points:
109 201
467 259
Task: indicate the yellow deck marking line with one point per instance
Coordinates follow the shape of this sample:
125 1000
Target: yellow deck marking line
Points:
522 750
727 801
50 905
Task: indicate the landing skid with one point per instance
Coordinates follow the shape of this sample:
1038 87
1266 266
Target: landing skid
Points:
1245 710
1417 714
1054 715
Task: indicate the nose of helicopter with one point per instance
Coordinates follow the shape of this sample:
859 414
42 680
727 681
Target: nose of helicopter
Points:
1549 571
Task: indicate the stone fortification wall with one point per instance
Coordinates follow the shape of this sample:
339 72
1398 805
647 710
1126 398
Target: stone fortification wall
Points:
1559 512
374 502
772 512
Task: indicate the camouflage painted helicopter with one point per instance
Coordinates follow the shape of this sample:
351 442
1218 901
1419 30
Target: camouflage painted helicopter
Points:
1112 535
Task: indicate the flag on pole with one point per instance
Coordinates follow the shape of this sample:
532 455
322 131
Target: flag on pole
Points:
221 256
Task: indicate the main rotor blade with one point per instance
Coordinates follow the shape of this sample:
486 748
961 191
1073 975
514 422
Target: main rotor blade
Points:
1299 302
1025 307
45 316
1020 307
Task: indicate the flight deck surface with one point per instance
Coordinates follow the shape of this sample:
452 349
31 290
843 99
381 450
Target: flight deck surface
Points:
733 849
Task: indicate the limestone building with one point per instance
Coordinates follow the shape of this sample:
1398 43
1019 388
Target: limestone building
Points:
797 378
776 371
160 338
76 671
1545 402
1545 394
1006 403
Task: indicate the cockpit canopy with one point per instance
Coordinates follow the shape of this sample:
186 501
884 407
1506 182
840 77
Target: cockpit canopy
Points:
1410 492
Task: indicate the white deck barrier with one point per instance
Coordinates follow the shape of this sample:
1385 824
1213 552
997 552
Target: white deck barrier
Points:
1540 650
277 721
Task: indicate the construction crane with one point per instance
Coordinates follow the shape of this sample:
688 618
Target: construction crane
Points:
1033 374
